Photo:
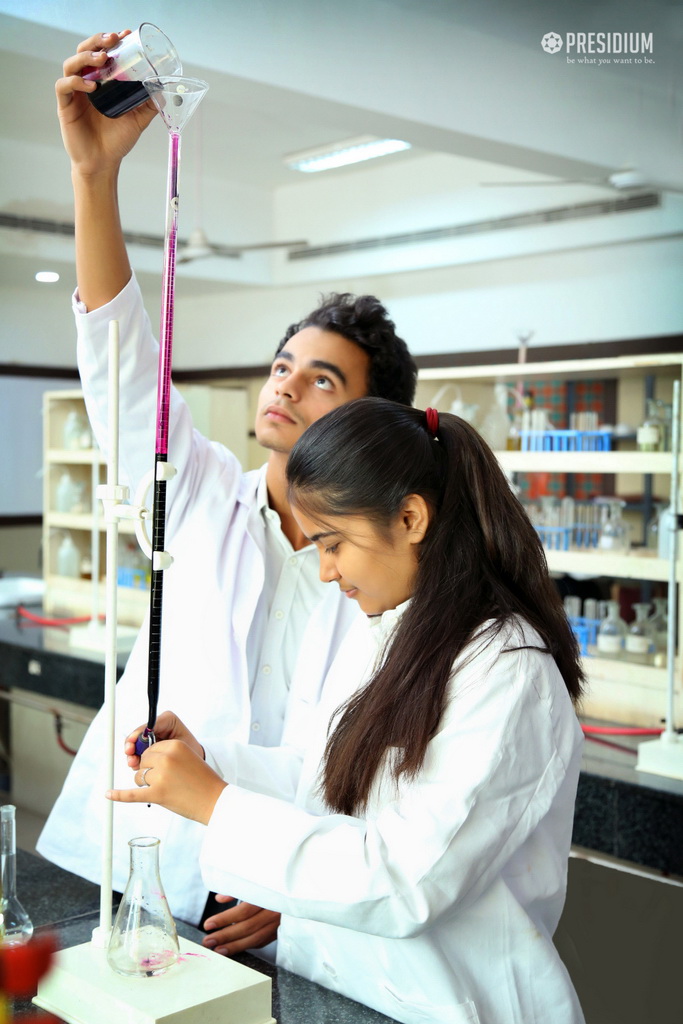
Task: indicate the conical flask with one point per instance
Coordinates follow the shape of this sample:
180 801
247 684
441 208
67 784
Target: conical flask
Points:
143 941
15 924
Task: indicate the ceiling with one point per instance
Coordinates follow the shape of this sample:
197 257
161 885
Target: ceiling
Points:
465 82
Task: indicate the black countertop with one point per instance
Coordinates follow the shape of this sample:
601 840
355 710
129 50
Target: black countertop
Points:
626 813
39 659
67 906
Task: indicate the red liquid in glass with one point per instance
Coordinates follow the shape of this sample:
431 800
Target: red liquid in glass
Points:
117 97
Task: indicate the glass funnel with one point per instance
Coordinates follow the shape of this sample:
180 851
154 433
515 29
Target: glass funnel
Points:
15 924
143 941
176 98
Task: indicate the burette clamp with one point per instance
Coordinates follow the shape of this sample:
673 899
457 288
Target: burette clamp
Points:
162 471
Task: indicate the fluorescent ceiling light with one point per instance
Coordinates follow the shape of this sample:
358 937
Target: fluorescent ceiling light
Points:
339 154
47 276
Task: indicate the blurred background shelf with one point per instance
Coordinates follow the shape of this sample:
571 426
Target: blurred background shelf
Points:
618 690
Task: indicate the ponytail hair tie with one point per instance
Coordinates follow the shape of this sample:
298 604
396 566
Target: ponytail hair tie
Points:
432 417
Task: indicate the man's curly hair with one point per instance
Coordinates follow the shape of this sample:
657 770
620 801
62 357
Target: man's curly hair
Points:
364 320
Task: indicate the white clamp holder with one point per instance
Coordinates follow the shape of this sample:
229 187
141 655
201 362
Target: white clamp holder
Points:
114 497
163 471
111 497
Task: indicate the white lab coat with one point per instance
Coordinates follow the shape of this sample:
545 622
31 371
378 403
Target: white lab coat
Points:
215 534
439 904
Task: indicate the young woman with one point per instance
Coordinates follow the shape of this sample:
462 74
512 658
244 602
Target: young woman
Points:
420 865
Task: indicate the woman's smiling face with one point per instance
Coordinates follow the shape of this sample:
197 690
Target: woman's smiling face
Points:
375 568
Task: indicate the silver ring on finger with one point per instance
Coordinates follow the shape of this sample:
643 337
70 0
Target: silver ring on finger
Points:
144 776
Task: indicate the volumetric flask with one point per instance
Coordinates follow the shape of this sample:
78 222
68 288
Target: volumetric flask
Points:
145 52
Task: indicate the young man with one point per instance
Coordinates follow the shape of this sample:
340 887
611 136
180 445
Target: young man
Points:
244 589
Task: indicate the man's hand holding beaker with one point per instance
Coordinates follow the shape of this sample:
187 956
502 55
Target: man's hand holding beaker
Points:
95 143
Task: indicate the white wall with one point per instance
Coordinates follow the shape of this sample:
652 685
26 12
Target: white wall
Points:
463 92
416 62
601 294
37 325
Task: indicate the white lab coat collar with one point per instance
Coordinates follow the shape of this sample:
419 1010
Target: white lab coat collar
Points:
382 626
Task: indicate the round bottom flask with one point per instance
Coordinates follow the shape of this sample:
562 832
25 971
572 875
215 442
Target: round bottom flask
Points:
143 941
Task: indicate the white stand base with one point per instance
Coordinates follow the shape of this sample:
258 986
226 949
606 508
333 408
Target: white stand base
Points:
92 637
663 756
202 988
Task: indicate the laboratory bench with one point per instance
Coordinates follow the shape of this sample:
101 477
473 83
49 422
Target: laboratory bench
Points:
625 813
67 907
625 887
39 660
620 812
595 939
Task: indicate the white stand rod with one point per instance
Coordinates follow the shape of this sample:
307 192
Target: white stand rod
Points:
81 988
110 664
673 560
95 548
664 756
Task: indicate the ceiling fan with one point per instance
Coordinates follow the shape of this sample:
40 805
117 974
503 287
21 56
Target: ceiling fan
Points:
628 180
199 247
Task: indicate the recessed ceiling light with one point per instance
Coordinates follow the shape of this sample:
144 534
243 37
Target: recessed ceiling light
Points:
47 276
340 154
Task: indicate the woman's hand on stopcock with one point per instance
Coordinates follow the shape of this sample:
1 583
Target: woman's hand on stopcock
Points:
167 727
94 142
176 777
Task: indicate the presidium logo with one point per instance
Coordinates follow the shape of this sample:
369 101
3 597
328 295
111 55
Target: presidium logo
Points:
551 42
610 47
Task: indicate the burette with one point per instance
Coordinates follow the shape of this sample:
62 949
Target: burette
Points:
176 99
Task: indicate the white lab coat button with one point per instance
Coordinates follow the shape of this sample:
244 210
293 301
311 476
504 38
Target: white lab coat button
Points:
266 670
279 614
292 560
330 969
255 726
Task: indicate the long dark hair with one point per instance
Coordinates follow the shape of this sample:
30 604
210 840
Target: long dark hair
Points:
480 560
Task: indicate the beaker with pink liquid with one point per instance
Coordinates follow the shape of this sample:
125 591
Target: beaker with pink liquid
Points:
139 55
